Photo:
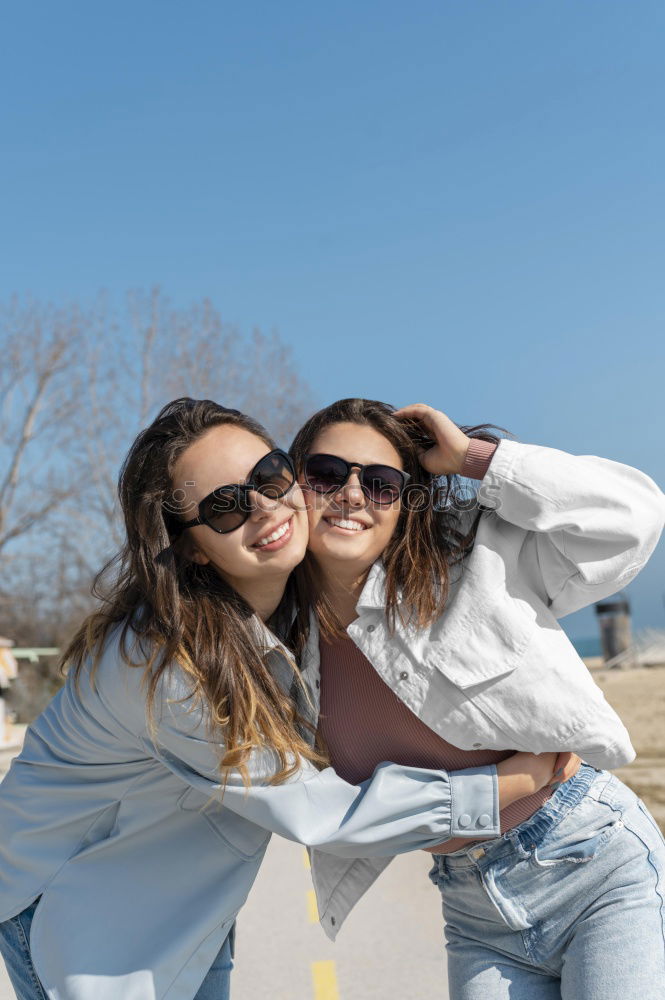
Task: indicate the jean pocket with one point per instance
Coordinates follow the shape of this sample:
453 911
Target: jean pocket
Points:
576 843
651 821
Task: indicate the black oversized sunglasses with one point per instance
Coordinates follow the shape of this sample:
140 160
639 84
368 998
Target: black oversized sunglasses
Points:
228 507
381 484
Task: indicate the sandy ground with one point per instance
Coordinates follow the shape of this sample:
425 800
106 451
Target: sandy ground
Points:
638 696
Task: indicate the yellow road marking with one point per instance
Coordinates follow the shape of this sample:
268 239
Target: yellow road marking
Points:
325 981
305 859
312 909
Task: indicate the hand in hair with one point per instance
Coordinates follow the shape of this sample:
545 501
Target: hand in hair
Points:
447 456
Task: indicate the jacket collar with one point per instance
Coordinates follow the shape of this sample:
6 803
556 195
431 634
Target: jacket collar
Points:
282 622
279 660
264 636
373 594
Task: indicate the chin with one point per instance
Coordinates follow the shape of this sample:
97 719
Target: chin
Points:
294 551
346 553
297 555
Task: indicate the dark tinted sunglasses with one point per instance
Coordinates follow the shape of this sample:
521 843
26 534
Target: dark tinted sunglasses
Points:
381 484
228 507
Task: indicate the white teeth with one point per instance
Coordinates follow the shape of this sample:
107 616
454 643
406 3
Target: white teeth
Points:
342 523
278 533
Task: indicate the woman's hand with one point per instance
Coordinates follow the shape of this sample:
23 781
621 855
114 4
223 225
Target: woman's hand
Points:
567 764
526 773
448 454
523 774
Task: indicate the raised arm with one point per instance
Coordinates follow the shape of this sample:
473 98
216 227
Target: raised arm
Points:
591 523
587 524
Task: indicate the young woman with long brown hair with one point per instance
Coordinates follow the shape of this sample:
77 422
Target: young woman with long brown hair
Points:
433 624
135 819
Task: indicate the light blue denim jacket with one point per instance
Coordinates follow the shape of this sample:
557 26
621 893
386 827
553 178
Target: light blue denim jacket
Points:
141 870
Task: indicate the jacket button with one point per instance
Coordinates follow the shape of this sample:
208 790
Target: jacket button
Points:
370 628
403 676
332 921
464 820
484 820
318 684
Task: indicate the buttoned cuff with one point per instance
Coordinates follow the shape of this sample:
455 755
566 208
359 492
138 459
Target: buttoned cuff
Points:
477 459
475 802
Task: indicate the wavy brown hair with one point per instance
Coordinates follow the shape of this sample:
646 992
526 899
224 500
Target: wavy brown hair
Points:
432 535
187 613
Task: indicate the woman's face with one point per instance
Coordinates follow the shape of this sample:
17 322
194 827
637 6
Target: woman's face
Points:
225 455
347 531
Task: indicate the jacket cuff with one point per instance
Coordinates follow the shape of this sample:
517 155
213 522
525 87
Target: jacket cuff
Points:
474 796
477 459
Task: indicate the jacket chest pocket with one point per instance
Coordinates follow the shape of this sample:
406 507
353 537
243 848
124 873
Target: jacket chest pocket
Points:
504 697
244 838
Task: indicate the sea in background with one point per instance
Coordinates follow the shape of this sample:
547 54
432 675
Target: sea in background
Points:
588 647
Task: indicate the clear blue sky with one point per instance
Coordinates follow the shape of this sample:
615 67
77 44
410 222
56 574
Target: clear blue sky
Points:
459 201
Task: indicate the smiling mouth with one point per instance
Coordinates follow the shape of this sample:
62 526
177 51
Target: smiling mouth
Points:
275 536
346 524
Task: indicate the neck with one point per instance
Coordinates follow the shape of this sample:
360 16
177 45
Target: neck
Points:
343 586
264 596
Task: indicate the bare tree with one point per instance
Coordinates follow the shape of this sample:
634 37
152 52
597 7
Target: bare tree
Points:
193 352
39 385
76 387
161 352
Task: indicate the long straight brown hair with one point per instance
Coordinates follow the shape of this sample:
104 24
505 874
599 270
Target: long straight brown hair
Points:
432 535
188 614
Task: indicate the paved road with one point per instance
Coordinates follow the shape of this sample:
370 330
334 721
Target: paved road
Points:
390 947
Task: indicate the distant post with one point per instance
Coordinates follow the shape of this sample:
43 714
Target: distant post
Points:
615 628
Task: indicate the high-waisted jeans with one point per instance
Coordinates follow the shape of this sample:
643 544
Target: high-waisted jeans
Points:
15 949
568 905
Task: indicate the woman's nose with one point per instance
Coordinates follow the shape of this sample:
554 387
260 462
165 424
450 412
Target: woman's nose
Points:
352 492
261 504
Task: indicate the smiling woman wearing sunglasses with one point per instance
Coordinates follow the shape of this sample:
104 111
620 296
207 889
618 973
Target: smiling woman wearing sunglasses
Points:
433 627
135 819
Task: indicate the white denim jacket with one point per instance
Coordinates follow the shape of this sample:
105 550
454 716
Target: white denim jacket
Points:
496 670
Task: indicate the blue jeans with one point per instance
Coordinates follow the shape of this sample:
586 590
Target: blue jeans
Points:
15 949
568 905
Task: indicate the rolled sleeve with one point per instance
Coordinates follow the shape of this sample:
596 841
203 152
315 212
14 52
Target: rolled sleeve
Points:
478 457
474 794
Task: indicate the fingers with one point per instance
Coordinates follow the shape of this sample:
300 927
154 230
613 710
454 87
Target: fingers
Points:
417 411
567 764
412 410
573 767
560 765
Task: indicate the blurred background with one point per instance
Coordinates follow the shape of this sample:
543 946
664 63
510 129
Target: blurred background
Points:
277 205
